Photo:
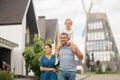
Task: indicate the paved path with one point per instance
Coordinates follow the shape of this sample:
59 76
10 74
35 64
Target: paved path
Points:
98 77
89 77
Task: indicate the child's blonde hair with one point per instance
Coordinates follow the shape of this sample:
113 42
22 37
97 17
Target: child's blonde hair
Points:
68 19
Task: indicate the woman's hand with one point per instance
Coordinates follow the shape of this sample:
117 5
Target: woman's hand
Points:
52 69
47 69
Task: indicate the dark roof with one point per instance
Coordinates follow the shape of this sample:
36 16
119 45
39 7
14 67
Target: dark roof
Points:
31 21
42 27
12 11
48 28
51 26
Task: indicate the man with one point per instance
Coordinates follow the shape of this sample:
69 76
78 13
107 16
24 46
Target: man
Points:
67 70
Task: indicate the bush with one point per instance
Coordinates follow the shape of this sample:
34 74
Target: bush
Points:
108 69
6 75
99 70
99 67
31 56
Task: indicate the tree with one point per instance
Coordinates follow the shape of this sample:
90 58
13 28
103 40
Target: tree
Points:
28 56
98 67
87 60
32 56
108 69
92 56
92 63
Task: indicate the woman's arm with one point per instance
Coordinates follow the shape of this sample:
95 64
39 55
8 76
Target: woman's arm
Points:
47 69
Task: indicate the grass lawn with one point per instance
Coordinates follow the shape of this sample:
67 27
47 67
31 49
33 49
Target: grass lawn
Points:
102 73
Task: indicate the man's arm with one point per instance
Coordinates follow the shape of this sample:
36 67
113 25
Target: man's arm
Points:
57 49
78 53
56 53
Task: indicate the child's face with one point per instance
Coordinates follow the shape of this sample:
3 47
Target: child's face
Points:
68 24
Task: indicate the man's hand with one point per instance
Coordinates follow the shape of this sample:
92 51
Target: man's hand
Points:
59 46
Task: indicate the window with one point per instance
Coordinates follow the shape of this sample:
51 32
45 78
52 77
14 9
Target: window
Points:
95 25
96 36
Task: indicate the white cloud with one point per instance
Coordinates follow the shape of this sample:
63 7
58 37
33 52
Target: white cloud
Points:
62 9
106 5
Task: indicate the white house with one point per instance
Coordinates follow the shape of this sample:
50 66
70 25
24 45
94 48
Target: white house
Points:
17 17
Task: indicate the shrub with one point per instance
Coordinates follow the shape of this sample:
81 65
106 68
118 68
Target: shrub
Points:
6 75
99 67
108 69
31 56
99 70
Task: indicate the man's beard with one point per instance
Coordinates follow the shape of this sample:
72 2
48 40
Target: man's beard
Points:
64 43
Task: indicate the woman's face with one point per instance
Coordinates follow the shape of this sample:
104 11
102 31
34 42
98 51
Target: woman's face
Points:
47 49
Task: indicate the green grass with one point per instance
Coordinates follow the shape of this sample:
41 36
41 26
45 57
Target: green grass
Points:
102 73
111 72
90 73
5 75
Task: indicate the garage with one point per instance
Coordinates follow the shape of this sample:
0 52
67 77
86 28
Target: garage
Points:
5 53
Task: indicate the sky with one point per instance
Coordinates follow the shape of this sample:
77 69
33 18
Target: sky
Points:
73 9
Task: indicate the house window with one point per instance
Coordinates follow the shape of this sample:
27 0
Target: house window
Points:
95 25
27 36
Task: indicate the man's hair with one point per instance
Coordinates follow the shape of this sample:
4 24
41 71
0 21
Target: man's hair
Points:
65 34
68 20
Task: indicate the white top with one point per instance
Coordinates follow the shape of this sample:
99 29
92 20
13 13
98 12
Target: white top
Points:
70 34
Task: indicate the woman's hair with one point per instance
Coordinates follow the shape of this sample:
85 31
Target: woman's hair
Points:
48 45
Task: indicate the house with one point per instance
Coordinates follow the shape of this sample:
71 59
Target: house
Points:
48 29
18 25
15 16
5 52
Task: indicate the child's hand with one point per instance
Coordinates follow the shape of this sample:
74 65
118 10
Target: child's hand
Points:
68 43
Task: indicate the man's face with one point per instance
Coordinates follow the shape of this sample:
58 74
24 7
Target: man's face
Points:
63 39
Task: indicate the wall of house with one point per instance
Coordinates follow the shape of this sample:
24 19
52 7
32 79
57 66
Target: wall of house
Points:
24 33
15 33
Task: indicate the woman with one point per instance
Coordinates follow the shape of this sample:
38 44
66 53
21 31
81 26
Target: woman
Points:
47 64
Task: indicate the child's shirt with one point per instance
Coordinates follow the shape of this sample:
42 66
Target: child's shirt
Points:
70 34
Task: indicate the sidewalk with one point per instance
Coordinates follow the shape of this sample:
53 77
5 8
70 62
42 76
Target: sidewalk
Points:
98 77
88 77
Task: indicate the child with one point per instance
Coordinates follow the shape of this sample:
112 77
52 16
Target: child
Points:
68 30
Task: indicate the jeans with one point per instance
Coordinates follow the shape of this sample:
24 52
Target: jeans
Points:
67 75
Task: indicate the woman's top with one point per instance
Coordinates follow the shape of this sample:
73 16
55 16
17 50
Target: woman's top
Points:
48 63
